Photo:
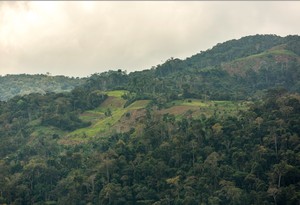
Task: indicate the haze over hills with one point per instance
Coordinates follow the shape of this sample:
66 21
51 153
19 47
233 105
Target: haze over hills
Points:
12 85
220 127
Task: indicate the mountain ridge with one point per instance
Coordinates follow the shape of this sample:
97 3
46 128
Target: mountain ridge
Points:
231 56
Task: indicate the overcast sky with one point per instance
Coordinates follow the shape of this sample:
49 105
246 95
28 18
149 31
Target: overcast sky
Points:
81 38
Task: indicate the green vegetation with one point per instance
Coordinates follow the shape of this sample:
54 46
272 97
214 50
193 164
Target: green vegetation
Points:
116 93
190 102
196 108
23 84
102 122
100 126
268 54
221 127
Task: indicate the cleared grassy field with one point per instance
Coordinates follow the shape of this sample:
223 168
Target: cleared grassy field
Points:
266 53
189 102
196 107
105 116
116 93
111 114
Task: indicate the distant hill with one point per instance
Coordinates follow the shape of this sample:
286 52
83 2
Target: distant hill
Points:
12 85
232 50
237 69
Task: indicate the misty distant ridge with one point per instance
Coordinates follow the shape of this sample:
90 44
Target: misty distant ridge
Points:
22 84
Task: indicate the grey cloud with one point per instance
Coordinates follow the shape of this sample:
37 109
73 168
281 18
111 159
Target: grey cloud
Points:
78 38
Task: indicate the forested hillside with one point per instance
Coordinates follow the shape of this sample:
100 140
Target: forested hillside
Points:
221 127
12 85
235 70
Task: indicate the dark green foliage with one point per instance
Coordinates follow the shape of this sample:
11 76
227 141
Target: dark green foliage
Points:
234 49
260 62
251 158
58 110
107 80
247 159
293 43
65 122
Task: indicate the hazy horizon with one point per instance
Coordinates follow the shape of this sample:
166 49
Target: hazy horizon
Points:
78 39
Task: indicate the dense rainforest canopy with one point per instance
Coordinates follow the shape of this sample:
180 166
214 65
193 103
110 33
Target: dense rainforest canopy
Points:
220 127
